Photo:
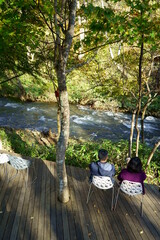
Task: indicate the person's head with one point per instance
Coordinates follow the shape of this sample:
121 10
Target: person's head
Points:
102 155
134 165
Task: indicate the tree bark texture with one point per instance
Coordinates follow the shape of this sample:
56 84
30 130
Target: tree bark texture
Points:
63 192
149 101
140 95
152 153
58 121
131 134
63 41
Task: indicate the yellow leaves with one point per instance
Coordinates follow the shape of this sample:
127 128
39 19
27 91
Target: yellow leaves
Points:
98 211
39 2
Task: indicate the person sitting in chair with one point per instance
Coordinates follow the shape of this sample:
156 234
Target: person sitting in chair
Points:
102 167
133 172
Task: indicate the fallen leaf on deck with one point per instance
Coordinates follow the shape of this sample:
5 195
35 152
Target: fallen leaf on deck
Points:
89 234
141 232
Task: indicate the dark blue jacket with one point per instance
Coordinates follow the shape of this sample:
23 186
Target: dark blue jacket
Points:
101 169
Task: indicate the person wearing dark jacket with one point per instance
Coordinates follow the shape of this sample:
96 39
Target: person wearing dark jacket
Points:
102 167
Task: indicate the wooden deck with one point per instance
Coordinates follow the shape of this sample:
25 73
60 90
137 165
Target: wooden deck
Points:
34 212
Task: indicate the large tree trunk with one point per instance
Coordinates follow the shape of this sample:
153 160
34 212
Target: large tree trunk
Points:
63 41
63 191
58 120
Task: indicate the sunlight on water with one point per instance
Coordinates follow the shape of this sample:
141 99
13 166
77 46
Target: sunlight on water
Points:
84 122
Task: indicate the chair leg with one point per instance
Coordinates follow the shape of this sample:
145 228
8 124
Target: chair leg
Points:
34 173
112 198
89 193
9 179
116 198
141 209
5 171
26 180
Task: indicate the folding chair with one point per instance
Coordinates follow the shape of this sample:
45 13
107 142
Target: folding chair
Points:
22 164
131 188
101 182
4 159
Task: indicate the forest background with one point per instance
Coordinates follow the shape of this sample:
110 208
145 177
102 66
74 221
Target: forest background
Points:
113 64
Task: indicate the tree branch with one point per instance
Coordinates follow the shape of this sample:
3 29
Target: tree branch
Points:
11 78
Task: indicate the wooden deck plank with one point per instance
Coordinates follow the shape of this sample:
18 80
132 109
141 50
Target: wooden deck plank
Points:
104 203
40 230
53 201
113 217
11 207
154 198
131 217
30 219
127 229
78 206
87 212
34 213
22 225
153 211
135 206
47 225
91 214
58 208
75 229
17 218
147 220
102 213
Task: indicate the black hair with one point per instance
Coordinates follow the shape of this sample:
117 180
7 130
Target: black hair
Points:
102 154
134 165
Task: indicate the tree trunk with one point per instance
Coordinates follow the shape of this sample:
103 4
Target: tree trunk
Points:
149 101
131 134
63 41
152 153
140 95
63 191
58 121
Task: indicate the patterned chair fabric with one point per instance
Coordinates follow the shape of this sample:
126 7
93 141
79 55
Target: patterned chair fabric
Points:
19 163
132 189
102 182
4 158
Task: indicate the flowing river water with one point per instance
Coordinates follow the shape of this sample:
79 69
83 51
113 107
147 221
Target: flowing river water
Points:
85 123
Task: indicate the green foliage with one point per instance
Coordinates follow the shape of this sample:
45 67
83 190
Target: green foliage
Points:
80 154
20 30
28 87
22 144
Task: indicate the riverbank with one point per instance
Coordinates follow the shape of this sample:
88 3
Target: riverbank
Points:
79 153
111 105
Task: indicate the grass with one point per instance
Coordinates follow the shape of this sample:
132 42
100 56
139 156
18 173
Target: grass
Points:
79 154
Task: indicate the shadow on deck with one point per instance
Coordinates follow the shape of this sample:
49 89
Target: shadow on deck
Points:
34 212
